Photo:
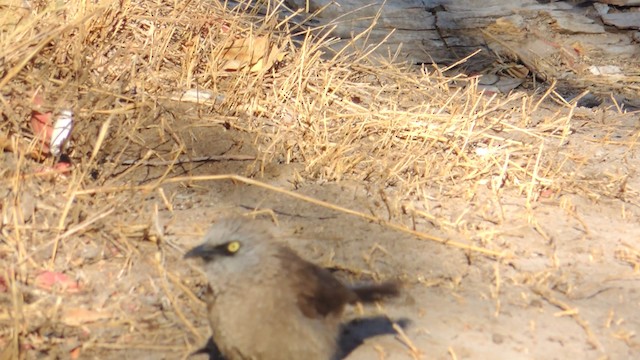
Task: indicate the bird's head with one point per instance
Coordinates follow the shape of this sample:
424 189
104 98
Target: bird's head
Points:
233 245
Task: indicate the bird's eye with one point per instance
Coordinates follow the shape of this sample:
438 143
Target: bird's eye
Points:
233 247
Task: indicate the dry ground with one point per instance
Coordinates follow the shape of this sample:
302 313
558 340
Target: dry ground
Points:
512 220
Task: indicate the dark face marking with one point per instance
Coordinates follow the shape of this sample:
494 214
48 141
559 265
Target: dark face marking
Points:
208 252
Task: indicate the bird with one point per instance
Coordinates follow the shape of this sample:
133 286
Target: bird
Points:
265 302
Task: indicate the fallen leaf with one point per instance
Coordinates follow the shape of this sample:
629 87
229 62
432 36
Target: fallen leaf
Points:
546 193
75 353
42 129
62 167
254 53
4 286
48 280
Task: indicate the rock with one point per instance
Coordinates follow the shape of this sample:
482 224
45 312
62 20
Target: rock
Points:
628 20
571 23
621 2
557 40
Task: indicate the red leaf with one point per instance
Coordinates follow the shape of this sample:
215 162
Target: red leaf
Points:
48 280
41 124
4 286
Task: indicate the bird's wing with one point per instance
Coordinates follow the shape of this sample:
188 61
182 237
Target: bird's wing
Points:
319 294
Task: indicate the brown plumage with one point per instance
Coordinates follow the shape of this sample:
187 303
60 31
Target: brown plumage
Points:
265 302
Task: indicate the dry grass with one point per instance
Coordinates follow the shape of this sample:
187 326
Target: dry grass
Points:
123 67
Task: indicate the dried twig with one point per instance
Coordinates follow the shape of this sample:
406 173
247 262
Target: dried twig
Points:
183 160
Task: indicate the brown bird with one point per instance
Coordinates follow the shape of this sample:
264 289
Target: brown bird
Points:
265 302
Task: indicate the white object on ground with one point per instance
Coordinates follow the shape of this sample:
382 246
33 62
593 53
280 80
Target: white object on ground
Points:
61 132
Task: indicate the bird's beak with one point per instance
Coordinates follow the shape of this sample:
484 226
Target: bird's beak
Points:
200 251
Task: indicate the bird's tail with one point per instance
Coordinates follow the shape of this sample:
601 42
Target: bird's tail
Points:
371 293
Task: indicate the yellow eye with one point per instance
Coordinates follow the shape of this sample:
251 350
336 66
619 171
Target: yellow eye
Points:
233 247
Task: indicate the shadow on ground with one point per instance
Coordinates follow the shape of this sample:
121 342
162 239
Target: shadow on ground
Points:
353 334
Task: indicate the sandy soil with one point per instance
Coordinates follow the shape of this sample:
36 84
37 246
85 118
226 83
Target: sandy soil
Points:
568 289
